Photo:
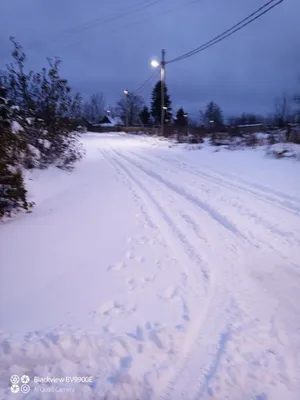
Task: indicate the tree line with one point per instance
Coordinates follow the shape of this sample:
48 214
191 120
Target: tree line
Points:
132 108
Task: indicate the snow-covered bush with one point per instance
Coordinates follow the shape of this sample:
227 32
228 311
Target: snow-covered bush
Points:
280 150
36 113
219 139
12 189
44 108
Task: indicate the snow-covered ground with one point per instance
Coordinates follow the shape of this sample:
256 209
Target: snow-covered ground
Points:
158 272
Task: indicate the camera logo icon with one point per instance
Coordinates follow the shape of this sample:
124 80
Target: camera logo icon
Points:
25 388
14 388
14 379
25 379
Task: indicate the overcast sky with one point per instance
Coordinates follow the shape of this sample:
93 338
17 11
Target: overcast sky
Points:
106 46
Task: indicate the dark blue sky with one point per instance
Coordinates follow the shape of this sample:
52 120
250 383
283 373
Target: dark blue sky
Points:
107 46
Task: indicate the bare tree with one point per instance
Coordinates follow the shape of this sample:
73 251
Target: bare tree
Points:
93 109
130 107
282 110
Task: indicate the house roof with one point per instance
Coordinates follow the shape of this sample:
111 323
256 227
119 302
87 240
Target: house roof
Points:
248 125
110 121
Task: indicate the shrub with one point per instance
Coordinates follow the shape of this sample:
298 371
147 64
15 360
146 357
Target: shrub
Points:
45 109
12 190
36 112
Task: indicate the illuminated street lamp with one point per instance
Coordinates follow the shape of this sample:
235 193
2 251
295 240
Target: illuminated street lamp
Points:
155 63
162 66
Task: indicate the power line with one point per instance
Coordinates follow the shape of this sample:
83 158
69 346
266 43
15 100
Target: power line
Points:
235 28
138 7
127 11
135 8
137 22
164 12
145 84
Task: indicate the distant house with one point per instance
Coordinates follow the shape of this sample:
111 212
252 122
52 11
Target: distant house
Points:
109 121
250 128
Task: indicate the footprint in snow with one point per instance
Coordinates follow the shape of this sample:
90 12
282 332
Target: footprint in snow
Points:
110 307
170 293
147 279
131 284
116 267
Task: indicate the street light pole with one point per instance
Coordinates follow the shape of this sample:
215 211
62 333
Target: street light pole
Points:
162 81
187 122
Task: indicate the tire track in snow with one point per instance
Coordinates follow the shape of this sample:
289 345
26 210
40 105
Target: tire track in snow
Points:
216 324
189 249
262 188
181 191
194 377
243 209
218 301
283 202
199 283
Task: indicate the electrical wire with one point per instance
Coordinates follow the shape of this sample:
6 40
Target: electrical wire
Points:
162 13
235 28
139 21
145 84
138 7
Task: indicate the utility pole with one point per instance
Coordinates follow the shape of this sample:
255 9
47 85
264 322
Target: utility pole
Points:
126 105
162 81
186 115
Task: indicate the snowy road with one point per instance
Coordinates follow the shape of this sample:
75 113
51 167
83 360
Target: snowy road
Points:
163 273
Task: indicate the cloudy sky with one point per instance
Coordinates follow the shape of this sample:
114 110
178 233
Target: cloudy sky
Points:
107 46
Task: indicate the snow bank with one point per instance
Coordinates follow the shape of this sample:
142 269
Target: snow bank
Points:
115 364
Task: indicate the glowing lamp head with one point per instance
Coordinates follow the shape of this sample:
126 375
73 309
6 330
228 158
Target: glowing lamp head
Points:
155 63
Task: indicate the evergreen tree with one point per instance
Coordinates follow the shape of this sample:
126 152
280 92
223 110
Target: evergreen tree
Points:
156 103
181 119
12 190
145 116
213 115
